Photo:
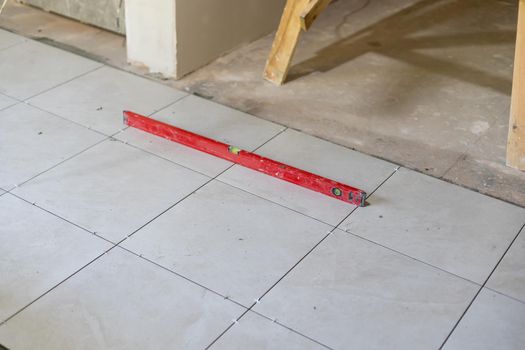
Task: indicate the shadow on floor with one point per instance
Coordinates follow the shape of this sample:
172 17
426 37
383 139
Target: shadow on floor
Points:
395 37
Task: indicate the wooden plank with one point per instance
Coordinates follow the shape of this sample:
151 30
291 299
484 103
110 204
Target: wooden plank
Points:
285 42
516 140
312 11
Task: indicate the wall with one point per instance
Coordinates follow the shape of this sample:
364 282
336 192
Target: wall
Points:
208 28
107 14
151 35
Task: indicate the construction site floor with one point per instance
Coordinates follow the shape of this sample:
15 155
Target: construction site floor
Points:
116 239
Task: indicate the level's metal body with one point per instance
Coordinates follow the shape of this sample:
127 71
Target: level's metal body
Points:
247 159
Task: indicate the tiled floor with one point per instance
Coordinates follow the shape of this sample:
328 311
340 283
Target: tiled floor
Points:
113 89
8 39
30 68
115 239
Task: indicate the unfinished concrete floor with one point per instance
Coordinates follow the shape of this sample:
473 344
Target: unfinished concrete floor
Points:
425 84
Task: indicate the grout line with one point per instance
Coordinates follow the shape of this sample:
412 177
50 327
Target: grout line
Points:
384 181
63 83
475 190
224 331
106 138
281 278
231 164
188 195
168 209
57 164
399 252
210 179
394 250
171 103
304 256
223 182
274 321
219 180
480 289
60 217
290 329
505 295
12 97
301 259
279 204
270 139
56 285
230 326
164 158
89 127
407 256
12 105
64 118
225 297
301 334
106 251
114 245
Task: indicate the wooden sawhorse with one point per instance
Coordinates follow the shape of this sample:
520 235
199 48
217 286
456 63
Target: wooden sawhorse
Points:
516 140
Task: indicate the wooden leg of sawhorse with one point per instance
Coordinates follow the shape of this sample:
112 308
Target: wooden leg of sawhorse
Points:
297 15
516 141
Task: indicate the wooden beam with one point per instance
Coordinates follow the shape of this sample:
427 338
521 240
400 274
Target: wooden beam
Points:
285 42
516 140
314 9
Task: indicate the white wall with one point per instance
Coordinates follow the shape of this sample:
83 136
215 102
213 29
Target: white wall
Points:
175 37
151 35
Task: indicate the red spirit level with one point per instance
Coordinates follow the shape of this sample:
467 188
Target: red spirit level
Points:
247 159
